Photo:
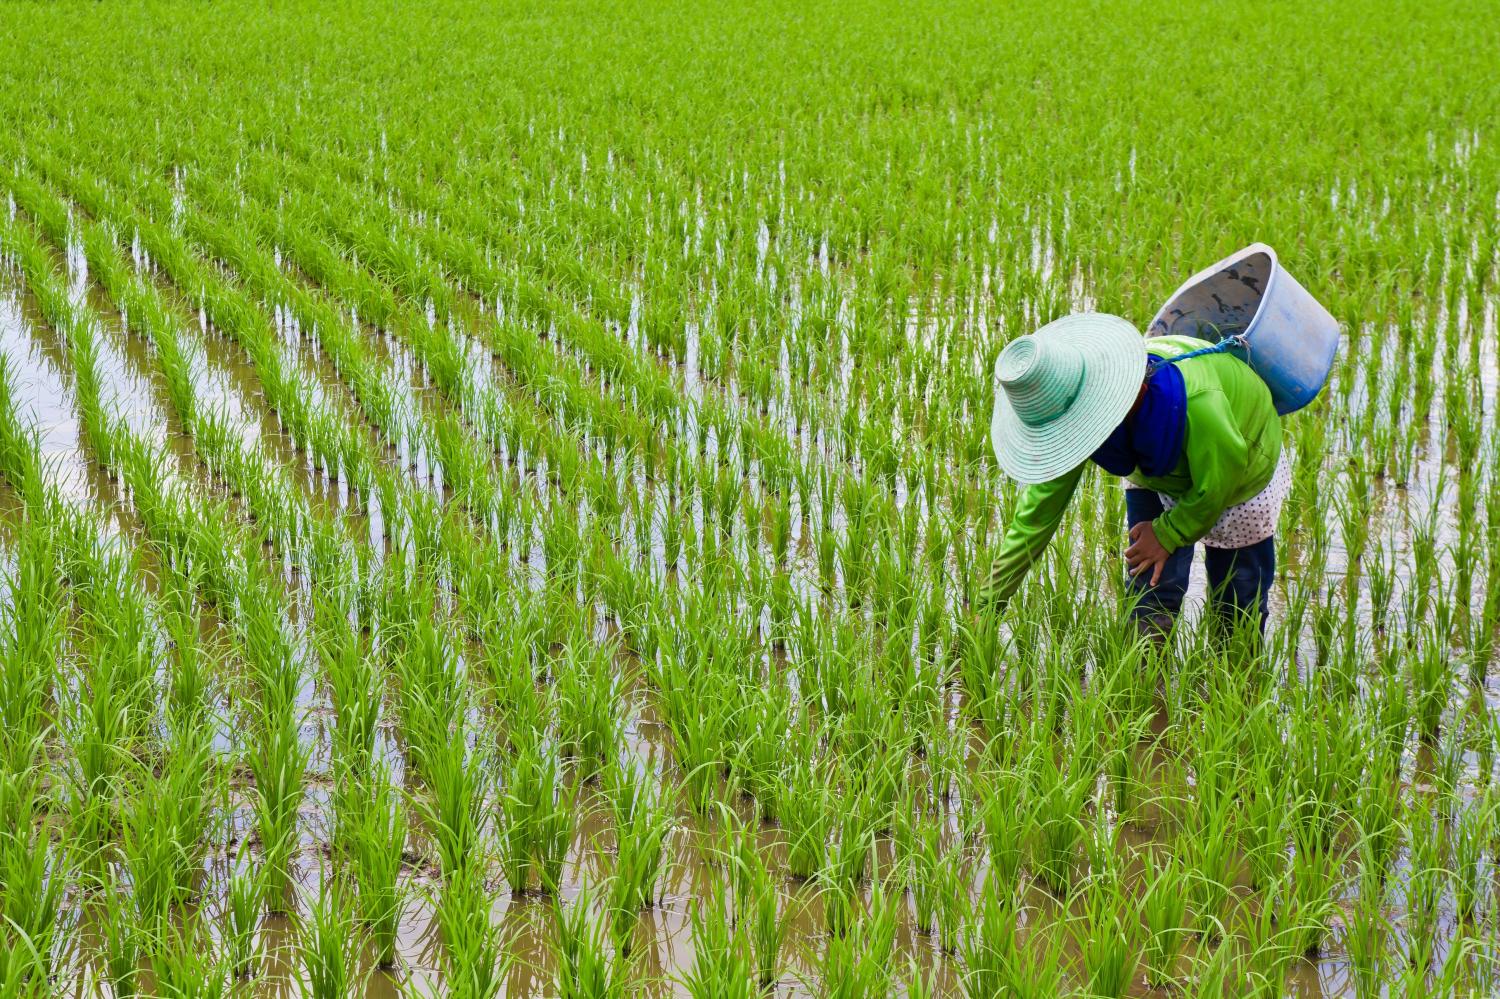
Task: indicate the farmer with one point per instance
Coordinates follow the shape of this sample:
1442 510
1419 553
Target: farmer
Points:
1198 441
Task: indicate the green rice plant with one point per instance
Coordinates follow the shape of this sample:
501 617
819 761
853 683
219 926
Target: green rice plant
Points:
1108 934
188 689
1367 928
841 878
990 948
1208 849
32 625
1263 822
980 649
723 967
767 929
1000 798
1312 883
642 822
588 693
952 877
94 723
857 964
1056 827
279 765
453 811
355 689
1470 837
329 943
1424 885
1164 912
536 819
244 900
807 815
184 965
153 855
377 845
587 966
1272 936
999 961
1382 576
34 875
758 762
475 960
918 985
924 858
125 938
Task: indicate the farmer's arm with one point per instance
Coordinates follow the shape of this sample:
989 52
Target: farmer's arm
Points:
1216 455
1038 512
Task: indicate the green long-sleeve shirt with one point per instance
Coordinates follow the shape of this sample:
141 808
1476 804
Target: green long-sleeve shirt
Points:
1229 451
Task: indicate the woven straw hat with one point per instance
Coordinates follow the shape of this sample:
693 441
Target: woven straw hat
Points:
1063 390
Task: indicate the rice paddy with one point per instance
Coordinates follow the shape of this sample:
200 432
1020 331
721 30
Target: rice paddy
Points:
491 495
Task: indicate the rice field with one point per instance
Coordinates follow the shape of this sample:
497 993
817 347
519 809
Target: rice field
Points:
490 498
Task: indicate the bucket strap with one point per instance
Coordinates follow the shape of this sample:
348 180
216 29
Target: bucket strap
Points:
1234 340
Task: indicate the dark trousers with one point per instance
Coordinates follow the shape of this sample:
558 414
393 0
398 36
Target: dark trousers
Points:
1239 579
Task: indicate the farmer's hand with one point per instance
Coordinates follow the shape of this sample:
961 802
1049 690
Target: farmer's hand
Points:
1145 552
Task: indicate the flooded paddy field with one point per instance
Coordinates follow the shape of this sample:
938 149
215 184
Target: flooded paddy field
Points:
492 500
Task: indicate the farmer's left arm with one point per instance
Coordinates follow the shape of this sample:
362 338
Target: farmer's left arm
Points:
1217 454
1037 515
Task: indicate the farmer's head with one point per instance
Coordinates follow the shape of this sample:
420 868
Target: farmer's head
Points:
1063 389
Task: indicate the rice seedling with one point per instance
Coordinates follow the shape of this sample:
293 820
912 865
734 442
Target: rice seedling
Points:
328 943
722 964
587 966
125 939
242 907
1367 929
377 844
1470 837
840 880
1164 912
536 819
1424 886
807 814
857 963
453 811
34 875
642 822
1108 934
475 961
185 966
1056 825
279 763
990 946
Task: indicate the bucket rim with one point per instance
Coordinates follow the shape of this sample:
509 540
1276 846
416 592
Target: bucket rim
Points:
1212 269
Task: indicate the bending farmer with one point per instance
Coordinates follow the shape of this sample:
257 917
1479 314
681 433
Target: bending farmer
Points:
1191 428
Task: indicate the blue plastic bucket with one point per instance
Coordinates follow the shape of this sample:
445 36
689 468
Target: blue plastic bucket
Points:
1291 337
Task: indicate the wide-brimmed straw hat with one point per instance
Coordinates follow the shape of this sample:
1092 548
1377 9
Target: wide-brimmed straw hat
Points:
1063 390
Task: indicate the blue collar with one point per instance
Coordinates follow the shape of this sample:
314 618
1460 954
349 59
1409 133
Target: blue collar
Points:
1150 439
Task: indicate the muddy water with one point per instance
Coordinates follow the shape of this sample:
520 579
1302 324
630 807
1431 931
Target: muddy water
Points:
39 374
